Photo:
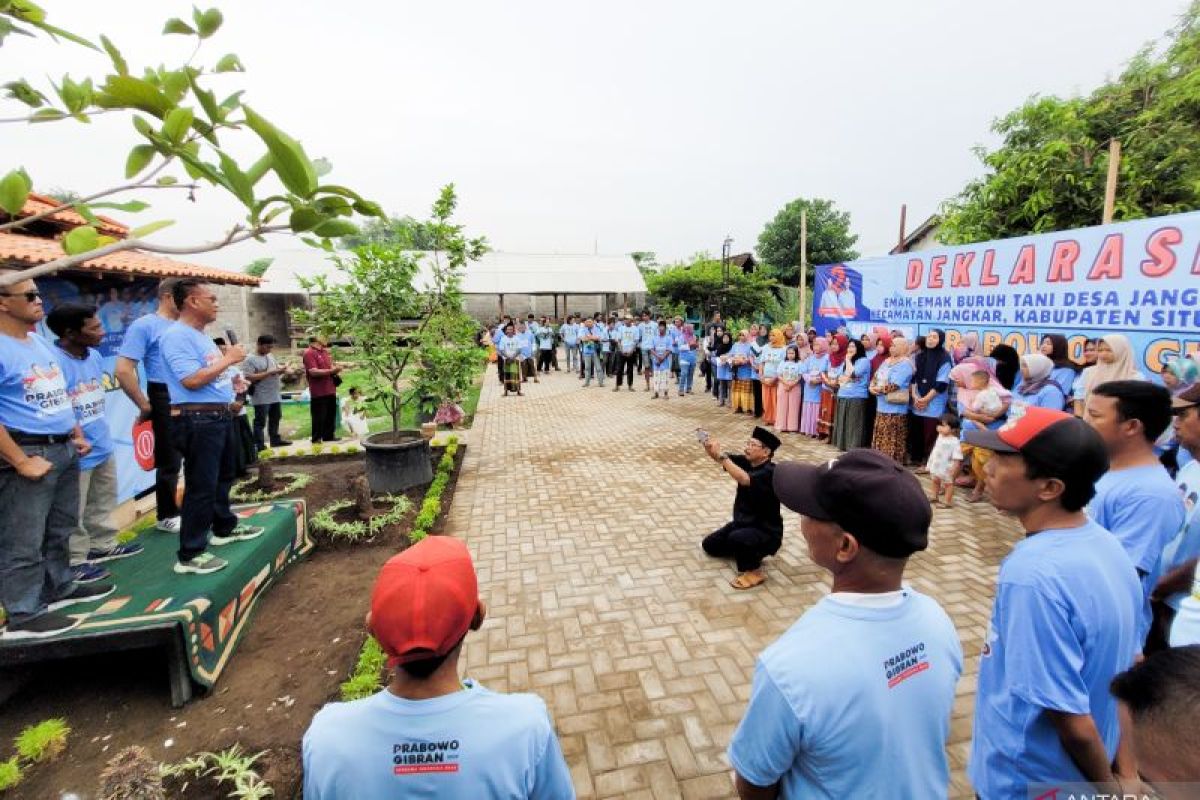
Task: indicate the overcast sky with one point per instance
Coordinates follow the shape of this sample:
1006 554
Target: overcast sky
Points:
645 125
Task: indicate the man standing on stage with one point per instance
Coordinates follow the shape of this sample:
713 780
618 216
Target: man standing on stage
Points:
140 345
200 382
757 527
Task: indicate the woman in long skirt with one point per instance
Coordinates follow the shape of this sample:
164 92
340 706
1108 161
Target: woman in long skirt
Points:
830 386
893 377
788 393
509 349
812 369
850 418
743 365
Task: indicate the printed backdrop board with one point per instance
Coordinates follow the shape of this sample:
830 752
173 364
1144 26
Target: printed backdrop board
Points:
119 302
1139 278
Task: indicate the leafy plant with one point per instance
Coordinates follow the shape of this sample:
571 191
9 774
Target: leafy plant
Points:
317 448
324 520
701 284
431 506
180 127
131 775
368 671
10 773
243 491
266 454
44 741
251 787
829 240
382 286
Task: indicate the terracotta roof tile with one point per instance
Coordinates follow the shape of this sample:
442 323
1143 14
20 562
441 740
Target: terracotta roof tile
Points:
37 203
28 251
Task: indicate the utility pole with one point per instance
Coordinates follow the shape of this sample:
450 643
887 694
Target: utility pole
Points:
725 248
803 266
903 219
1110 186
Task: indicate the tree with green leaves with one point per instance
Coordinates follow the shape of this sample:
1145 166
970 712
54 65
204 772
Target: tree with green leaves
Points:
178 126
405 232
701 285
383 285
1050 169
829 239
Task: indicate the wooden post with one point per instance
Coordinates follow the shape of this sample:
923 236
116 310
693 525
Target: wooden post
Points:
803 265
556 306
501 306
903 219
1110 186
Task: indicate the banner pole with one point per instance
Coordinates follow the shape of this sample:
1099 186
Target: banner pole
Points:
1110 186
803 268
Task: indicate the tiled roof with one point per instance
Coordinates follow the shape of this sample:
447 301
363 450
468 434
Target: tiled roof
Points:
29 251
37 203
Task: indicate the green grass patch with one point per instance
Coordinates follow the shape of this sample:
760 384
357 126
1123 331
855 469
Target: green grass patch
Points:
44 741
368 672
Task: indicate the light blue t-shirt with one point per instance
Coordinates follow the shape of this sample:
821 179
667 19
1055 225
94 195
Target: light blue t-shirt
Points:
508 346
857 388
186 351
628 337
141 344
526 339
589 347
742 372
660 351
647 332
811 367
854 701
1049 396
545 338
569 333
1185 545
1141 506
1064 623
470 744
1063 377
33 391
85 386
770 358
900 374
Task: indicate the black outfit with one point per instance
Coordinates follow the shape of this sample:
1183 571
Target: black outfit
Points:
209 443
167 459
627 364
323 411
544 360
757 527
266 423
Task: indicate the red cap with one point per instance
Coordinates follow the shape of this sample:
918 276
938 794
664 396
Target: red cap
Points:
424 600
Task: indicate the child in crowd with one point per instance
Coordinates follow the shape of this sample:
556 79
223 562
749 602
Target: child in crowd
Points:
945 459
987 399
353 416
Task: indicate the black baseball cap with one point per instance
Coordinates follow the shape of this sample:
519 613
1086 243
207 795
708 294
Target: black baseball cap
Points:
866 493
1049 436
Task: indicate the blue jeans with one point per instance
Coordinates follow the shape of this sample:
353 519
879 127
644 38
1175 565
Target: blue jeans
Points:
593 366
208 442
37 519
687 371
572 355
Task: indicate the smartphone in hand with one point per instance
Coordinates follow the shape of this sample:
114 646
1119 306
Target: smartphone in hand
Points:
701 435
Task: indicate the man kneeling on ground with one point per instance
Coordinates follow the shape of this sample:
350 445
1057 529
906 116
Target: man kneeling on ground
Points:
757 527
430 734
854 700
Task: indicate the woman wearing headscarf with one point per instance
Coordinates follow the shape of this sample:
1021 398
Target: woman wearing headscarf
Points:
966 347
788 392
687 344
931 379
830 386
1063 370
1114 362
742 358
892 379
1008 365
1180 373
985 405
724 367
1038 388
849 422
768 373
882 348
812 370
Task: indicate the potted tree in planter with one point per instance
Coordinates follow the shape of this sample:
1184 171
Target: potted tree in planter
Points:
395 306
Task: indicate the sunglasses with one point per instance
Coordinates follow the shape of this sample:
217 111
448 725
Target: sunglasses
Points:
29 296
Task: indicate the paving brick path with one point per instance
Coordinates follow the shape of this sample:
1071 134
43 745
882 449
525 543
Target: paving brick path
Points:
584 510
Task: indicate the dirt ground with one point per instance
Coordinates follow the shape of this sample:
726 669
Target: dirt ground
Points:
303 642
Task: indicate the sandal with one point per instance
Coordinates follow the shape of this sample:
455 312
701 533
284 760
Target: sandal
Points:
748 580
976 498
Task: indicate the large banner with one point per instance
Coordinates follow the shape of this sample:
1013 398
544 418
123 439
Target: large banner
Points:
119 303
1138 278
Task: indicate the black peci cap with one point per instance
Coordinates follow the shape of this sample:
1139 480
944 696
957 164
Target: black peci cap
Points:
766 438
867 494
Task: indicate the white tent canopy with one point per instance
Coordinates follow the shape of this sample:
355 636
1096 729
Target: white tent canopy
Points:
496 273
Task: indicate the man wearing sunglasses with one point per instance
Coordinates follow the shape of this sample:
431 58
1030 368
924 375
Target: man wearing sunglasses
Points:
40 447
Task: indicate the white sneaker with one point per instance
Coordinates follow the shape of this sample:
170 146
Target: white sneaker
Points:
168 525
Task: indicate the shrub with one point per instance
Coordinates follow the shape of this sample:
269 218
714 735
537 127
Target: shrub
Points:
44 741
10 774
368 671
317 448
244 491
265 454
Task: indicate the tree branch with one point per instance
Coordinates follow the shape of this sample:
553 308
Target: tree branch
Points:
236 235
20 222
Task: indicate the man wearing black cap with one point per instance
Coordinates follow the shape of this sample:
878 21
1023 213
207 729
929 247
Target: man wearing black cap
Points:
1065 620
854 700
757 528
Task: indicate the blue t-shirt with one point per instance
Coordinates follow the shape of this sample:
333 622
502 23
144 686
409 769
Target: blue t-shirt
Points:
141 344
526 339
647 332
569 333
545 338
33 391
810 367
1049 396
589 347
770 358
473 743
854 701
900 374
857 388
742 372
628 336
186 351
660 351
85 386
508 346
1063 377
937 406
1142 508
1064 623
1185 545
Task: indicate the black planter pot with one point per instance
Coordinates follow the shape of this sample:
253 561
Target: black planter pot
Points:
397 461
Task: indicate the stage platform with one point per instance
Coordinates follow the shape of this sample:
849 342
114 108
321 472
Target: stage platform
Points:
196 619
